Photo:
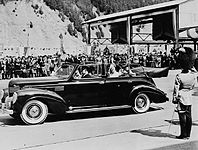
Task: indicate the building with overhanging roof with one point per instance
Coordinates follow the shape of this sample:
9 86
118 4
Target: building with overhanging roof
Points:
173 22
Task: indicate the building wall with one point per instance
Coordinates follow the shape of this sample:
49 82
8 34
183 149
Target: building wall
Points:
188 14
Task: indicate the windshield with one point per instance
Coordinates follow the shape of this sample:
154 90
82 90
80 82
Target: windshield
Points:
65 70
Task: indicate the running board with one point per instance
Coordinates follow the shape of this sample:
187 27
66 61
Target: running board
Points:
77 109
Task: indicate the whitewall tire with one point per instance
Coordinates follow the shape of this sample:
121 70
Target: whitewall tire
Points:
34 112
141 103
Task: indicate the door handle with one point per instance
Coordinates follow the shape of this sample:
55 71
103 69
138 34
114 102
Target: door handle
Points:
129 81
101 82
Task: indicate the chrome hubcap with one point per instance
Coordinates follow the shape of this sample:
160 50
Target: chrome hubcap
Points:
141 102
34 111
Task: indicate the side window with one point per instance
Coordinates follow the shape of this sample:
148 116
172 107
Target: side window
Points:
65 70
87 71
98 70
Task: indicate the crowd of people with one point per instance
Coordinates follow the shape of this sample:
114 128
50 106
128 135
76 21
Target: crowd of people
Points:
39 66
14 67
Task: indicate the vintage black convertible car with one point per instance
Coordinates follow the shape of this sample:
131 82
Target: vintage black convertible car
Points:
67 91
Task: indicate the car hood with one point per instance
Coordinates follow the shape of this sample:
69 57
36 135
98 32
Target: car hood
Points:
36 80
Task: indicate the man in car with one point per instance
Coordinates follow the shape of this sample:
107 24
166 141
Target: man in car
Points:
86 73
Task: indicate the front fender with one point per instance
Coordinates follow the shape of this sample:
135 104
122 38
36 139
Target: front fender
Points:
55 103
154 94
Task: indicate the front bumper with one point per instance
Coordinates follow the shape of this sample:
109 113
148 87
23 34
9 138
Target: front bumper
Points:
6 111
5 108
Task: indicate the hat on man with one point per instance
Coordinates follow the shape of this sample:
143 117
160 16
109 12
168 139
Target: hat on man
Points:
186 58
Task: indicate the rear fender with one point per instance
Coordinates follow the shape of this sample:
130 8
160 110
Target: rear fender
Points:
55 103
155 95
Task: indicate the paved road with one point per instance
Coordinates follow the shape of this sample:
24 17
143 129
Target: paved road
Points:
104 130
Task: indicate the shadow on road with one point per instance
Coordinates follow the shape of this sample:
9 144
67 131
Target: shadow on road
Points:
87 115
153 133
7 120
159 133
98 114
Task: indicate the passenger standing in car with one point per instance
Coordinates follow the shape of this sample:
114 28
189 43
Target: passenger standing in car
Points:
182 95
114 69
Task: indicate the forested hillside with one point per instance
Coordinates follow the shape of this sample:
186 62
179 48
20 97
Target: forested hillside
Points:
79 10
112 6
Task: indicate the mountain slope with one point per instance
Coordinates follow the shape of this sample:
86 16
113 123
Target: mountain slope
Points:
35 25
38 24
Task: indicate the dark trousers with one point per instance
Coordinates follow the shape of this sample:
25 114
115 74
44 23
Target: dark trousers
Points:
185 119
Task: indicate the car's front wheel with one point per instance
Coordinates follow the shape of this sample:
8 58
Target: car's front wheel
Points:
141 103
34 112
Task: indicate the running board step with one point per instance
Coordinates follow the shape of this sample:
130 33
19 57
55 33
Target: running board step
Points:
77 109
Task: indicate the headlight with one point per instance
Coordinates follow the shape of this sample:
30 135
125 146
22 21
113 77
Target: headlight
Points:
1 95
14 89
10 100
14 97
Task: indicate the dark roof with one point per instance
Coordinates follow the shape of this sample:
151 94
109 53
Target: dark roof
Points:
141 10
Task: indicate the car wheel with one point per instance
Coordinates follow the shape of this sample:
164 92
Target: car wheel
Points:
34 112
141 103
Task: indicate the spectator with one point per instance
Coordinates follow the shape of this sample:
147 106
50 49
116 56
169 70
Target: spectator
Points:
1 69
37 66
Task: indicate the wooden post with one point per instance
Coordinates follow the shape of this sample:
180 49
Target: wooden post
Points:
177 26
129 30
129 40
89 34
61 44
195 45
148 48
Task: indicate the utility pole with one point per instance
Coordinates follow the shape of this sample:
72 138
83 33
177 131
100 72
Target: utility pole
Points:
28 34
29 25
61 44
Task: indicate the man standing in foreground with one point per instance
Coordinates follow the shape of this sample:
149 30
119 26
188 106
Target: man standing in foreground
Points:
182 94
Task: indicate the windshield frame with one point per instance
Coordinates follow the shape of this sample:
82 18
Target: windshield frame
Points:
70 73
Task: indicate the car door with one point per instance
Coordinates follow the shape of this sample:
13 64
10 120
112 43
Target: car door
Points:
117 90
85 92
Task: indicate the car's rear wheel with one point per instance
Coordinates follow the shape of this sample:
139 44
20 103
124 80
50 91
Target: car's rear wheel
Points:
141 103
34 112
